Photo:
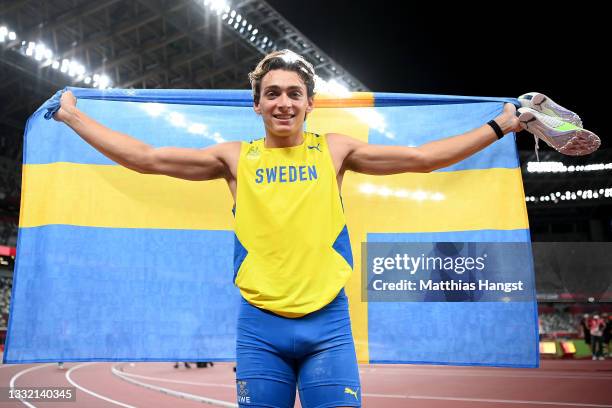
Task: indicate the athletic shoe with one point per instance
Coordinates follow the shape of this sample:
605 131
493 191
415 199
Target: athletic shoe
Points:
547 106
562 136
602 358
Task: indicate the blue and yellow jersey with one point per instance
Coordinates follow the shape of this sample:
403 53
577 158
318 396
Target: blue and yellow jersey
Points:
292 252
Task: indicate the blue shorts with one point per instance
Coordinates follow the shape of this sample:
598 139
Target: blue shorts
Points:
315 353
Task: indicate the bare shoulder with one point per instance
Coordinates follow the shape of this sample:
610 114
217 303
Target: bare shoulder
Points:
338 138
228 153
226 148
342 145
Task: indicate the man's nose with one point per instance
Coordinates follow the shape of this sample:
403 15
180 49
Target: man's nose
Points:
284 101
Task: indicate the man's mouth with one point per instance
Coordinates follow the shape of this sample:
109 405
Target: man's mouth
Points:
283 117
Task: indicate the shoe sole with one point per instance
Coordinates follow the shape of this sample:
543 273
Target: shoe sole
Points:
547 106
578 142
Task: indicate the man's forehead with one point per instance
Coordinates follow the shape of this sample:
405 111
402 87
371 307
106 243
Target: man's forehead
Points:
282 79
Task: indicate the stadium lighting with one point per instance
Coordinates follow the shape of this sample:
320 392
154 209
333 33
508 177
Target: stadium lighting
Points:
3 33
558 167
332 86
30 49
240 25
104 82
265 41
217 6
556 197
46 58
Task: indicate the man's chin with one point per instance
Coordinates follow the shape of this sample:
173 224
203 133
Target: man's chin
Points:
282 131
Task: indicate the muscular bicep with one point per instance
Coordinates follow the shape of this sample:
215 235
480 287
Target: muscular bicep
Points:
383 160
194 164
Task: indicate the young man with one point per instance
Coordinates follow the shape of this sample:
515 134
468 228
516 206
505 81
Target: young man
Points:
293 325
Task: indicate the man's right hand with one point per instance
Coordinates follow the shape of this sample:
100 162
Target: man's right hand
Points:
67 107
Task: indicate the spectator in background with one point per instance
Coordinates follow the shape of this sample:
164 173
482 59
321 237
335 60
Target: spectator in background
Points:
540 328
586 330
596 326
607 335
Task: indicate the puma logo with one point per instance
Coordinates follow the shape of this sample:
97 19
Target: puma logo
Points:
527 122
316 147
347 390
540 104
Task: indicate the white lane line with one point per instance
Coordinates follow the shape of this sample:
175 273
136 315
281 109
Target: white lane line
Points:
144 377
71 381
398 396
501 401
497 401
485 374
19 374
367 394
174 393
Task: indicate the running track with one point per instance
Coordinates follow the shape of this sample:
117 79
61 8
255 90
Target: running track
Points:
558 383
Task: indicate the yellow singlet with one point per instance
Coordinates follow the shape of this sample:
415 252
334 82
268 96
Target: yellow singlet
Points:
292 253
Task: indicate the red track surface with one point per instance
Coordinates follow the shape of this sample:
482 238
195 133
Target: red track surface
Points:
556 384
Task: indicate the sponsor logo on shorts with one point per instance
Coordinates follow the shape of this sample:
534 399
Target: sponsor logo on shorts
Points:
243 392
348 390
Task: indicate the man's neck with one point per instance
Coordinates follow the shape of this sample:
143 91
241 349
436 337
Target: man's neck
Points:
284 141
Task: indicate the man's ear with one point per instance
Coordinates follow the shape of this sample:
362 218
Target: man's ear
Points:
310 106
256 107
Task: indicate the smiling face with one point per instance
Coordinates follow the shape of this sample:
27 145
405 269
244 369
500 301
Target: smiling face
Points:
283 103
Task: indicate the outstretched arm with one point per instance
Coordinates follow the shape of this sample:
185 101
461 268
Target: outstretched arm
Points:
191 164
381 160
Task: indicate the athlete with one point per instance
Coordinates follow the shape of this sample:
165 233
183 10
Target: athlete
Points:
292 252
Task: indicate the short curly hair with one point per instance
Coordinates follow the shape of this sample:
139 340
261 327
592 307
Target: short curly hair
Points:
286 60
